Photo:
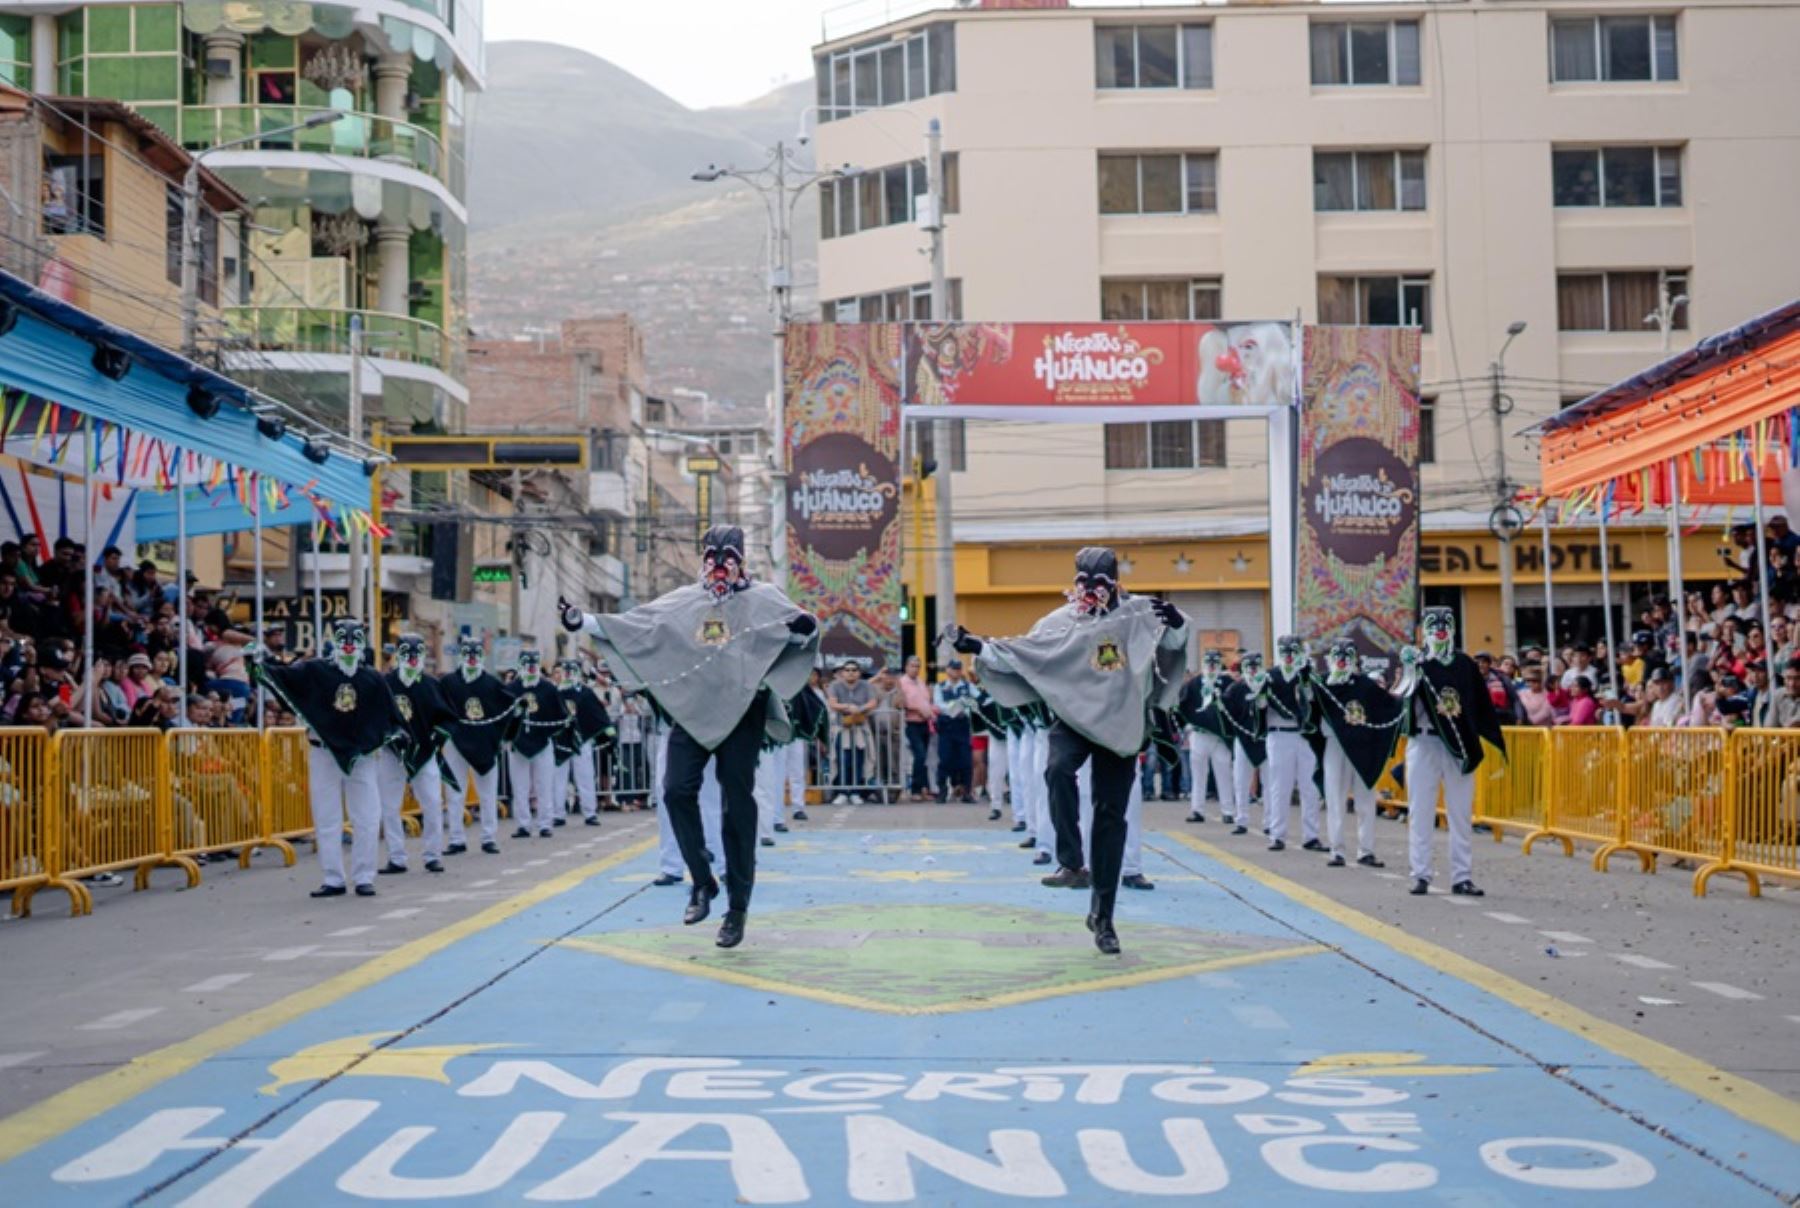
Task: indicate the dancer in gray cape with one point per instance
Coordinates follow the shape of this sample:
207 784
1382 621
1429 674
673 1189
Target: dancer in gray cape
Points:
1100 663
719 657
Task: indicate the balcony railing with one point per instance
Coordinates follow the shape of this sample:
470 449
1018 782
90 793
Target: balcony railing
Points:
365 135
314 329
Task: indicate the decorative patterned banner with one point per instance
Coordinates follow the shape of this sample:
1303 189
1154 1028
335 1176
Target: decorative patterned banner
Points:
843 444
1358 548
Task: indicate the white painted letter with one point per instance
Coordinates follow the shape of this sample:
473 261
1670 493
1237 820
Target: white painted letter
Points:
374 1178
765 1170
1103 1084
1210 1089
980 1087
1340 1092
1378 1122
132 1151
1276 1126
844 1088
737 1084
1623 1170
621 1082
273 1159
1286 1156
1109 1161
882 1150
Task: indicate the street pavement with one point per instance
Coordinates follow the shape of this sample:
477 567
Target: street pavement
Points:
904 1022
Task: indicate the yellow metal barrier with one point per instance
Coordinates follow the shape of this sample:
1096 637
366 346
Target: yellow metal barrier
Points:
216 793
1761 822
1672 800
1583 802
109 789
27 846
1510 792
288 808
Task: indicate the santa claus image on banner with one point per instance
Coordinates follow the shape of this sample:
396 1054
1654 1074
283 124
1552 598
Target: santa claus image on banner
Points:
1246 364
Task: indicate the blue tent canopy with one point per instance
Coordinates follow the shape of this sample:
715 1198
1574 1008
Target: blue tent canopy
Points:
49 353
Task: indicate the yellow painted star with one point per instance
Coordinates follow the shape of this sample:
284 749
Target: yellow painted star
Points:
424 1062
1382 1065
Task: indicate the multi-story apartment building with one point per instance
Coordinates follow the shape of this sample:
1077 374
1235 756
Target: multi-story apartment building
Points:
362 218
1580 166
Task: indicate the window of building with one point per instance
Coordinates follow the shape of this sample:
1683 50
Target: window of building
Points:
1179 444
912 303
1625 301
1369 53
1616 176
128 52
208 261
1427 430
925 443
1376 301
883 197
1159 184
1153 56
74 190
1368 180
878 74
15 50
1160 299
1614 49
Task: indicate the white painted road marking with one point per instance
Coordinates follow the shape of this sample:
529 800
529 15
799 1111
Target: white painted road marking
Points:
215 983
535 863
482 884
349 931
8 1060
1725 990
121 1019
1565 937
1640 962
1500 916
290 954
405 912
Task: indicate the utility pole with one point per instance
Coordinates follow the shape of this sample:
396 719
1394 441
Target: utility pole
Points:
190 263
781 285
932 222
354 585
1505 520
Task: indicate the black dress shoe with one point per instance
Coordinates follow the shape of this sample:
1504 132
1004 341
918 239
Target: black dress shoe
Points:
1018 828
1138 880
1368 860
456 849
545 833
329 891
1028 844
768 842
666 879
993 815
1314 845
490 847
591 820
1420 888
1467 889
562 822
1335 862
799 814
1240 829
391 869
1068 878
1105 938
700 903
1196 816
521 833
434 866
781 828
731 929
1278 845
1042 857
365 891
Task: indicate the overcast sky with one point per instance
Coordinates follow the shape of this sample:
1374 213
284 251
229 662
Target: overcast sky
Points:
701 52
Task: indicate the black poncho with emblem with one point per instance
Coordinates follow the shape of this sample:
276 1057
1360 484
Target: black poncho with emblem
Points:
1364 718
1245 713
538 717
1204 710
1457 706
1290 701
426 717
480 708
352 716
810 719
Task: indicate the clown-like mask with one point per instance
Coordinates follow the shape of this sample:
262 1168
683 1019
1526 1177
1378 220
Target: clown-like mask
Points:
1439 625
531 667
1093 594
722 560
568 672
409 658
1212 663
349 641
1250 666
1340 662
471 658
1290 656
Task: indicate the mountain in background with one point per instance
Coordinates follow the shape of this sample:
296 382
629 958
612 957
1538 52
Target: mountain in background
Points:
581 202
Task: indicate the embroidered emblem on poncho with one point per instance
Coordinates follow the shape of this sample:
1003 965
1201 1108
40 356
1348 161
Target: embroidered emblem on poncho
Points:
713 632
345 701
1449 704
1108 656
1355 714
472 710
530 704
404 704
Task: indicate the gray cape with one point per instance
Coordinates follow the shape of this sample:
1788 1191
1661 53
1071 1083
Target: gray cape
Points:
1097 674
704 661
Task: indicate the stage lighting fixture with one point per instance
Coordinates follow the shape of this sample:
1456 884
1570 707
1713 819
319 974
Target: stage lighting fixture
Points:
316 451
272 427
370 465
112 363
203 402
9 317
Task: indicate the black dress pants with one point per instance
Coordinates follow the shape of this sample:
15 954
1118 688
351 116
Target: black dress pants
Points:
736 770
1111 775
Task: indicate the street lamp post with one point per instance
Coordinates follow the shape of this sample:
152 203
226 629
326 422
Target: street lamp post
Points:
780 183
1505 520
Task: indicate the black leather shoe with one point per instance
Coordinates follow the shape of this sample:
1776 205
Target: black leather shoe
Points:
391 869
1240 829
1068 878
993 815
1335 862
545 833
434 866
1018 828
1105 938
329 891
562 822
768 842
700 903
1420 888
1138 880
1028 844
365 891
1196 816
666 879
1042 857
456 849
1368 860
1467 889
781 828
1278 845
731 929
521 833
799 814
491 848
1313 845
591 820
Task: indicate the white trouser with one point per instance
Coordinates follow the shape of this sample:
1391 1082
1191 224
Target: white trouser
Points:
712 808
1291 765
1241 771
487 794
560 775
1133 865
996 768
771 773
1429 766
390 782
428 790
1342 782
1210 751
533 779
1043 826
1015 775
333 795
582 769
794 776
